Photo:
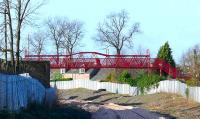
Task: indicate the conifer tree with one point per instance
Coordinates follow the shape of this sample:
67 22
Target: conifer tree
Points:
165 53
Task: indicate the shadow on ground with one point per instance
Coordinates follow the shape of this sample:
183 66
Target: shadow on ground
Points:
96 97
168 116
135 113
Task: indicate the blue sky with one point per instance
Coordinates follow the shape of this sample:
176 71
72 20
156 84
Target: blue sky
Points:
176 21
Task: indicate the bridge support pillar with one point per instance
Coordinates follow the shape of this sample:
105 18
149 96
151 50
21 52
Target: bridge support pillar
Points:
160 72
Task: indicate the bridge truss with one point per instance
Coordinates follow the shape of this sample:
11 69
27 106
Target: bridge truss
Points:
97 60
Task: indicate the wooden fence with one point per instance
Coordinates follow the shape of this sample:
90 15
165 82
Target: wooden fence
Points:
168 86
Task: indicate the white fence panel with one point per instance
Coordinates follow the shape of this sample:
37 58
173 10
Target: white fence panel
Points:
198 94
153 90
182 89
114 87
133 91
18 91
168 86
194 93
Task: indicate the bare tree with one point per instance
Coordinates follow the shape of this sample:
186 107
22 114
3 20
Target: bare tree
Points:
7 5
19 13
37 42
190 62
3 31
72 34
113 32
23 11
141 50
55 32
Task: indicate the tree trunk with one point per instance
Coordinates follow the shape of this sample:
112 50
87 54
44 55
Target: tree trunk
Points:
6 49
18 49
118 51
118 70
11 36
19 22
70 53
57 50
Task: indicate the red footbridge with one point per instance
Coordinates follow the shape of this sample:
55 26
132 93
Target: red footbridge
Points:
97 60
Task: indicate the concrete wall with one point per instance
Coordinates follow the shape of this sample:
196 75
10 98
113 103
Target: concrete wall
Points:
77 76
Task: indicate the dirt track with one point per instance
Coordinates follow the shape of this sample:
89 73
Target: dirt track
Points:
168 105
114 111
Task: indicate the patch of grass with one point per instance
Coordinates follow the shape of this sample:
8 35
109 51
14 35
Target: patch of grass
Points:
193 82
111 78
37 111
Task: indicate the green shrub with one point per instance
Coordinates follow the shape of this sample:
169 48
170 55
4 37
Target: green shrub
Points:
146 81
162 78
104 81
63 79
143 81
67 79
57 76
125 77
192 82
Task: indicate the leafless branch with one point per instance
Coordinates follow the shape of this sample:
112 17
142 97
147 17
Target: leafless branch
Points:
72 35
55 29
113 32
37 42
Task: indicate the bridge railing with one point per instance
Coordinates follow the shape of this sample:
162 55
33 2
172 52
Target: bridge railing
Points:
165 67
